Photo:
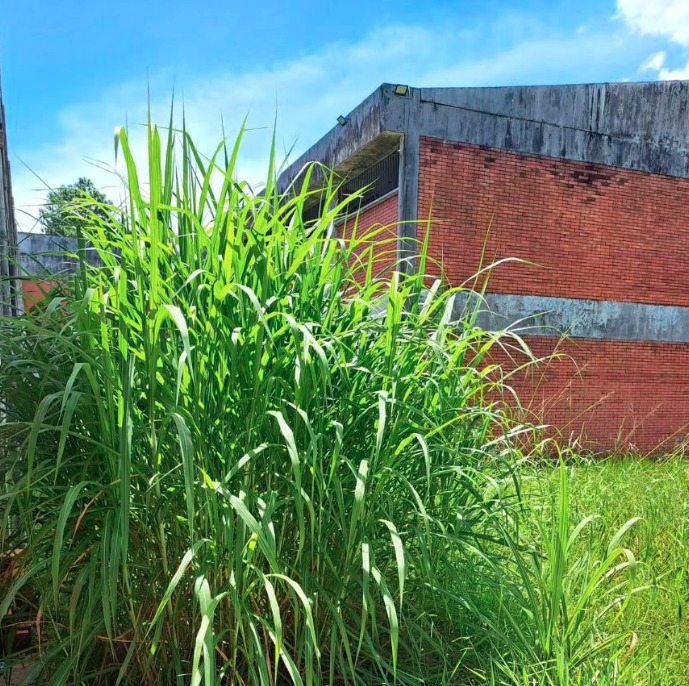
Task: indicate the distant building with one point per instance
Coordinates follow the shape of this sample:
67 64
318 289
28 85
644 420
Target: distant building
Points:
45 260
8 230
588 186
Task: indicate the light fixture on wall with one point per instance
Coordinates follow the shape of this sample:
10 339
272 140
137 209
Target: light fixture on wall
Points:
342 120
401 89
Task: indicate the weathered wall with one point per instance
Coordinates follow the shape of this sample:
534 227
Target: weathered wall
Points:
612 396
8 231
42 259
603 253
43 255
634 126
589 231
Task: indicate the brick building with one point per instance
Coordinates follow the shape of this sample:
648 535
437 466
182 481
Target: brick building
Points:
589 187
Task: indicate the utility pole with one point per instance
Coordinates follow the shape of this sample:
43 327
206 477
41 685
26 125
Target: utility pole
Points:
8 228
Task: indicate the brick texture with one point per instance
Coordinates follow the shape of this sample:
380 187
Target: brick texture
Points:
587 231
610 396
590 231
379 222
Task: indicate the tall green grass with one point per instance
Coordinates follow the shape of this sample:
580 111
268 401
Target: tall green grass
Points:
657 618
233 454
570 583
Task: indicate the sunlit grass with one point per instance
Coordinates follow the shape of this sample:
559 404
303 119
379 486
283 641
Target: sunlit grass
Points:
234 455
658 493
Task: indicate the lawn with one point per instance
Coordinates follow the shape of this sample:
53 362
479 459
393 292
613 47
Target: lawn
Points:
637 610
658 493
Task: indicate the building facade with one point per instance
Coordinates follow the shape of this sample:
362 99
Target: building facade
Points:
581 194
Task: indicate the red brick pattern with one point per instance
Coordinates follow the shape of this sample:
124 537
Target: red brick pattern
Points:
379 221
595 232
609 395
598 233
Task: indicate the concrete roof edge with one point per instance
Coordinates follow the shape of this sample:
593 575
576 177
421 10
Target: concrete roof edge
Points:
364 124
583 84
640 125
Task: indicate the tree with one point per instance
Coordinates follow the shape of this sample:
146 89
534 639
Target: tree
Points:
70 206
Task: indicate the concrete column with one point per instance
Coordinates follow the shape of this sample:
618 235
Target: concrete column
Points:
408 202
8 230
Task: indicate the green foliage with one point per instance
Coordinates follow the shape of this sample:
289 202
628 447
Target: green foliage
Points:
566 579
656 619
234 455
70 208
633 628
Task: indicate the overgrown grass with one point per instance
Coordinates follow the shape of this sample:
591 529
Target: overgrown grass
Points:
649 500
234 454
658 493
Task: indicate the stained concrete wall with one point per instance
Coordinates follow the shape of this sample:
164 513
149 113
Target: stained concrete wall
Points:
534 315
643 126
653 112
636 126
8 231
45 256
344 148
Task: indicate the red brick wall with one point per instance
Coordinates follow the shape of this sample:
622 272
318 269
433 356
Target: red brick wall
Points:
612 396
380 217
597 233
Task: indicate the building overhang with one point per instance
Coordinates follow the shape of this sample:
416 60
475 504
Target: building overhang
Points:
637 126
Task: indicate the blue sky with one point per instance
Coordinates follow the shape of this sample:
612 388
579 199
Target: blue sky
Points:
73 71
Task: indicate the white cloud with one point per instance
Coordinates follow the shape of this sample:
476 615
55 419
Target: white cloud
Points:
668 18
674 74
655 62
306 95
664 18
